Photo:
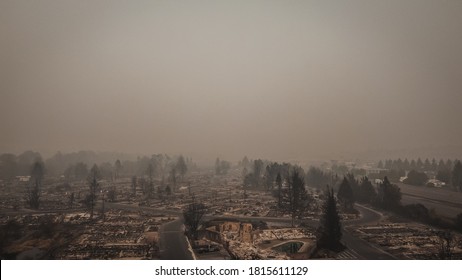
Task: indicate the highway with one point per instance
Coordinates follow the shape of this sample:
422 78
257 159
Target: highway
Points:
446 202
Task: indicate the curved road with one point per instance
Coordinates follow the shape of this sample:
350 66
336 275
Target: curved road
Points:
361 248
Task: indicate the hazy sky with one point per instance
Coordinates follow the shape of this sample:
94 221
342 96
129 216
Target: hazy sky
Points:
272 79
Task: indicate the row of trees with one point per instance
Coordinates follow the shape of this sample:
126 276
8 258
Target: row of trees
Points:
293 198
222 167
12 165
452 177
76 166
263 174
386 195
417 165
94 175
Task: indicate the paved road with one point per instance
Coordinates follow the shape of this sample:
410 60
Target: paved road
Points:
173 243
359 247
446 202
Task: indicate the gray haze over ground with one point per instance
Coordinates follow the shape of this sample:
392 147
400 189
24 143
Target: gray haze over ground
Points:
273 79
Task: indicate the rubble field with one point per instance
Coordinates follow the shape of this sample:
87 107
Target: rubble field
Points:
409 240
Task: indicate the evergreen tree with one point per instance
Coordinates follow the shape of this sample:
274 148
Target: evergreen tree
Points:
389 195
245 162
244 173
329 232
406 164
416 178
419 164
367 193
457 175
449 164
444 175
413 165
441 165
345 195
257 172
181 166
399 164
434 165
427 165
295 198
389 164
315 177
117 169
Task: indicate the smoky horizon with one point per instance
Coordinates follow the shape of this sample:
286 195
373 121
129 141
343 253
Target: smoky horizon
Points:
279 80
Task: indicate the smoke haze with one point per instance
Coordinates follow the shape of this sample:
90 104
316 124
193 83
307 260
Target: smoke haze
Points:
272 79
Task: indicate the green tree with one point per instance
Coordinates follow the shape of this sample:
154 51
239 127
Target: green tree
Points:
245 162
244 173
182 167
389 195
222 167
345 194
257 172
419 164
8 167
449 164
329 232
457 175
366 193
295 199
416 178
225 166
315 177
117 169
427 165
406 164
444 175
80 171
